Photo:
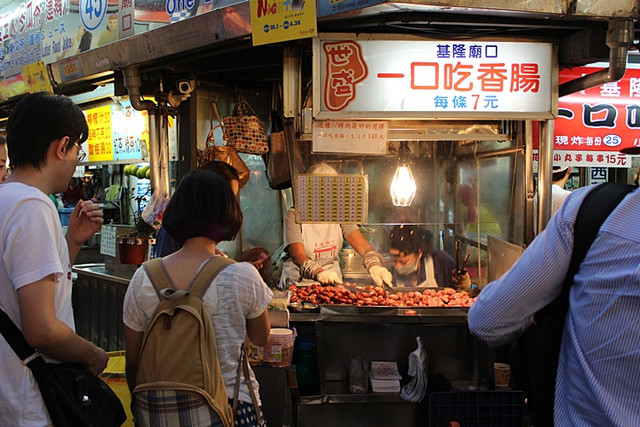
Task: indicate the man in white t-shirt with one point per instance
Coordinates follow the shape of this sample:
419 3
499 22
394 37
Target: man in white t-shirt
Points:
44 137
558 193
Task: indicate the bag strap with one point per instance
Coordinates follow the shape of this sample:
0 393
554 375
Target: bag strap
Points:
16 339
158 275
243 108
243 368
160 279
207 273
594 210
220 125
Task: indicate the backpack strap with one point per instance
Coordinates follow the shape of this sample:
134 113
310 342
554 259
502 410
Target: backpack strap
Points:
160 279
158 275
207 273
594 210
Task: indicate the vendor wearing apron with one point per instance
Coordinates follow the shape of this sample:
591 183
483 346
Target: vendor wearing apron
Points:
417 264
314 248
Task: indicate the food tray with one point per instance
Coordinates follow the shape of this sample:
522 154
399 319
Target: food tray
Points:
478 408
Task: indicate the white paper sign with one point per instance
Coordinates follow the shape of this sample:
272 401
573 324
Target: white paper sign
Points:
350 136
108 240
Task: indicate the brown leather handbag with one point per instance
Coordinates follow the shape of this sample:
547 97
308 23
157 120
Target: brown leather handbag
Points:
222 153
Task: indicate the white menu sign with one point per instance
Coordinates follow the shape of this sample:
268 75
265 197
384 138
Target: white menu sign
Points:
108 240
350 136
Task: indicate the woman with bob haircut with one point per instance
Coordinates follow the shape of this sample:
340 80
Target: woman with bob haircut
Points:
202 212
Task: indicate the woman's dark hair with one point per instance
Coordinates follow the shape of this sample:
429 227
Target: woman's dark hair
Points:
203 205
56 116
223 169
409 239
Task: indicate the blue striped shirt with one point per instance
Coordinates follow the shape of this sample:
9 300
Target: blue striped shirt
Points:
598 380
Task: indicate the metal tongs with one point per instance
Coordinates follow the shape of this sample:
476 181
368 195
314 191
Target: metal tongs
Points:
460 269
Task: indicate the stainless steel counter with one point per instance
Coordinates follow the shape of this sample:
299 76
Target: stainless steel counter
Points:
98 295
99 271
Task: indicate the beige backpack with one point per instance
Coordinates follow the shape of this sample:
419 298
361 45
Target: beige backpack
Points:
179 348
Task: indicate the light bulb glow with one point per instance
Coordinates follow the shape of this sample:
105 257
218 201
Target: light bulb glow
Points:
403 186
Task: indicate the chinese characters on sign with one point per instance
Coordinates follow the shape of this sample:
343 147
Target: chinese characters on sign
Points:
332 198
446 78
607 159
604 118
99 141
350 136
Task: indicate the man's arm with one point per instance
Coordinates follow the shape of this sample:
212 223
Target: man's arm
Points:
49 335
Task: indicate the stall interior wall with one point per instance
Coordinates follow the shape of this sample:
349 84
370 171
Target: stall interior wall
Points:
261 206
469 181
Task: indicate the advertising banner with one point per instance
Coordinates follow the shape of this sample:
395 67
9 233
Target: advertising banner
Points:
280 20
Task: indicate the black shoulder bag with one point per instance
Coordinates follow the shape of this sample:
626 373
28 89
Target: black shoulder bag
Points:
72 395
535 359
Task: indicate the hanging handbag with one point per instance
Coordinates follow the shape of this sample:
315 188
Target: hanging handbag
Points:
72 395
245 130
277 159
222 153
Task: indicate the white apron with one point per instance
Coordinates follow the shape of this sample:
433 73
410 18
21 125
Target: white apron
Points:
322 244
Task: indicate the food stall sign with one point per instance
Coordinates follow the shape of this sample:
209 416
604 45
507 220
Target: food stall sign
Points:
593 125
332 198
100 141
350 136
375 78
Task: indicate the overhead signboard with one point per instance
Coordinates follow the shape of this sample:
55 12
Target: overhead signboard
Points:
281 20
593 125
604 118
433 79
117 133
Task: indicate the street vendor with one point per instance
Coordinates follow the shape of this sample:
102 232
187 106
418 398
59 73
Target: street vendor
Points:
313 248
418 264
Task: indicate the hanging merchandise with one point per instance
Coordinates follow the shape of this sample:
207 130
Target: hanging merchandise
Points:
222 153
415 390
154 208
277 159
245 130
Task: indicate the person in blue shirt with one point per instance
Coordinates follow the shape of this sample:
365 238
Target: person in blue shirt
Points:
165 244
598 377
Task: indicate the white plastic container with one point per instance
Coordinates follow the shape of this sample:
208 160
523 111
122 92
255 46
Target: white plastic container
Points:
279 348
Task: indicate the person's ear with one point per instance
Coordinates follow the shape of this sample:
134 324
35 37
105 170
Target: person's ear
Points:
62 145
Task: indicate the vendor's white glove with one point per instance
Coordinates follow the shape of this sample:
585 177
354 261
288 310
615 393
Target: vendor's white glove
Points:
381 275
329 277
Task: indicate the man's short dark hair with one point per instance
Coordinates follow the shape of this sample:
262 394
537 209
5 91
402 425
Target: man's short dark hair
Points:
36 121
559 173
203 205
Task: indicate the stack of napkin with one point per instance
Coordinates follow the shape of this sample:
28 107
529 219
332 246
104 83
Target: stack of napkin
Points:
385 377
